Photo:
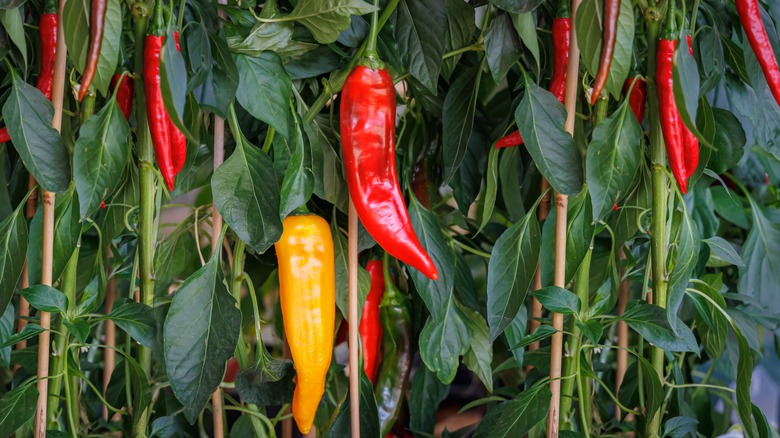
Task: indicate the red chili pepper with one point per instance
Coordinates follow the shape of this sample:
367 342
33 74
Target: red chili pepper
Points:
609 36
124 93
670 117
97 21
178 140
367 122
370 326
48 33
638 97
155 108
750 17
690 142
560 37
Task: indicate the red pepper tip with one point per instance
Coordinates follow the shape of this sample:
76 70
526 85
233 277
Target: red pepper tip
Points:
615 207
102 204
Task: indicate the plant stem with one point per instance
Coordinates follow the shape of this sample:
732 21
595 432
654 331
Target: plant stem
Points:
571 364
660 189
146 234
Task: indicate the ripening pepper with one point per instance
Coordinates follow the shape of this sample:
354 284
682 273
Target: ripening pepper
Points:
307 294
609 37
638 97
370 327
97 21
750 17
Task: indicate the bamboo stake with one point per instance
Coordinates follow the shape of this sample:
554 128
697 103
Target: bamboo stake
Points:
287 425
536 309
561 211
47 252
109 355
354 365
622 328
216 230
24 306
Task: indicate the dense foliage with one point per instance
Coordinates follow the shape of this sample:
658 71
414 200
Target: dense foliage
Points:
669 299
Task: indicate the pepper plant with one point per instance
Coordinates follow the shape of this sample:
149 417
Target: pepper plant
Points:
179 249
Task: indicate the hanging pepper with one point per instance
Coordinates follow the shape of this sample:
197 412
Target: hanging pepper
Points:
178 140
47 30
97 21
307 291
637 98
750 17
560 38
155 108
370 327
397 361
670 117
124 93
690 142
609 36
367 120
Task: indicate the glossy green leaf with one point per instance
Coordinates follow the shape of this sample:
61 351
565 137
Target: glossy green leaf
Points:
76 24
17 407
45 298
29 331
724 250
246 200
613 158
653 389
460 30
517 6
515 334
268 384
729 141
266 90
327 18
425 395
685 258
137 320
489 200
419 28
502 46
369 416
275 37
761 254
680 427
13 24
298 182
13 251
651 322
511 270
200 334
173 84
458 120
558 299
100 156
221 78
526 29
542 332
7 320
685 78
514 418
27 115
479 356
579 233
443 341
540 117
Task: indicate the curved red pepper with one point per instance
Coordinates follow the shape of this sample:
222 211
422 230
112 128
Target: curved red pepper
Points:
637 98
97 22
367 122
560 37
48 33
750 17
670 117
124 93
155 109
609 37
690 142
178 140
370 327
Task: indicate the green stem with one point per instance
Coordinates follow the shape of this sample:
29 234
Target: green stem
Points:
87 106
60 353
146 234
269 139
600 110
478 47
571 363
660 189
370 50
243 355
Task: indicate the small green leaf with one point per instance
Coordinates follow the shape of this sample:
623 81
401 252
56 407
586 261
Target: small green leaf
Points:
559 300
724 250
460 30
17 407
514 418
45 298
268 384
369 416
136 319
327 18
13 24
479 356
425 395
173 80
31 330
680 427
541 332
502 46
489 201
442 342
526 29
458 120
298 183
13 252
265 90
419 29
652 323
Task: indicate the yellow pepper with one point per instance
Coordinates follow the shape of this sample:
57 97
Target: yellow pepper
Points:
308 300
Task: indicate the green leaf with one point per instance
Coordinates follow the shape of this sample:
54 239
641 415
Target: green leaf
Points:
327 18
369 416
685 258
437 295
13 25
680 427
638 200
710 321
540 117
685 78
724 250
268 384
526 29
221 76
511 270
200 333
45 298
31 330
515 333
479 356
425 395
7 320
340 255
17 407
517 6
613 159
502 46
514 418
298 183
491 188
419 28
13 252
458 120
460 30
244 197
173 81
589 35
137 320
745 366
265 90
651 322
100 156
654 391
67 230
27 115
730 140
591 329
112 220
541 332
176 255
579 234
558 299
760 275
443 341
